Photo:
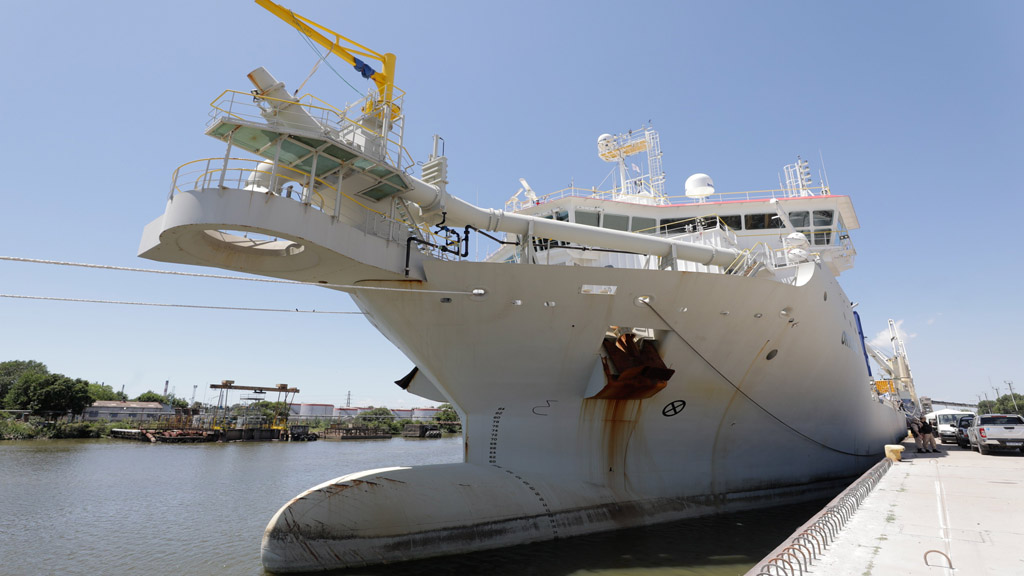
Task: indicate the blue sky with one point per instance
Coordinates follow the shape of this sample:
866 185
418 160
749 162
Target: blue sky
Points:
915 107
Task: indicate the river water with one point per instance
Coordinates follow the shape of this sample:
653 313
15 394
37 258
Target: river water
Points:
117 507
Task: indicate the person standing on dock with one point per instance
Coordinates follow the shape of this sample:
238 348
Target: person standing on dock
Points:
915 431
927 436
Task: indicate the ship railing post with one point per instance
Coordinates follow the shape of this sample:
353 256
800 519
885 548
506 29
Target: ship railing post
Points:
385 128
337 198
528 245
308 192
401 143
273 173
174 184
224 167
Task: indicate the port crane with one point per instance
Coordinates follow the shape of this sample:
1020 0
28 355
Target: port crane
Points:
226 386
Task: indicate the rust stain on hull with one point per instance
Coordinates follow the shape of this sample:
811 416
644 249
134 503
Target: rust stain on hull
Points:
632 372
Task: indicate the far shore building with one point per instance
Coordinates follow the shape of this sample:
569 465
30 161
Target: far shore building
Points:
348 411
114 410
310 411
424 414
415 414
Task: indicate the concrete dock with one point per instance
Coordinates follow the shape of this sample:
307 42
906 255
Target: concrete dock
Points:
928 511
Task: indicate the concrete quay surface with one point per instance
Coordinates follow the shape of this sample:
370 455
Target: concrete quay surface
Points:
956 504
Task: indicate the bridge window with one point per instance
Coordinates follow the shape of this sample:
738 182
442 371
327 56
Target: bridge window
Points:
588 218
616 222
821 220
734 221
762 221
675 225
800 219
643 225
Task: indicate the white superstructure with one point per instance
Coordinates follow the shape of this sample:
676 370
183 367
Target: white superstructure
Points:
621 358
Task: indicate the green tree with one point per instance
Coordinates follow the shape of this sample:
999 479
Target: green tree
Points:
176 402
272 410
62 394
19 395
11 370
447 418
1005 404
150 396
377 419
105 392
49 393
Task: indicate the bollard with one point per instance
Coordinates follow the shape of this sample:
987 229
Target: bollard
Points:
893 452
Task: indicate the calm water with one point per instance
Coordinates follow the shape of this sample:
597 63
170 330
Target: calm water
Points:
106 507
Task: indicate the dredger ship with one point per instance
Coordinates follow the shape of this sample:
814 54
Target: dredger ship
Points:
621 358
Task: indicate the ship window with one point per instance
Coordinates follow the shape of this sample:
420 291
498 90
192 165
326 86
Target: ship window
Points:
588 218
734 221
800 219
823 238
615 221
674 226
762 221
562 215
822 218
645 225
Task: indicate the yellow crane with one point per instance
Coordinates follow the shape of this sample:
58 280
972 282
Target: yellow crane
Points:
228 385
345 48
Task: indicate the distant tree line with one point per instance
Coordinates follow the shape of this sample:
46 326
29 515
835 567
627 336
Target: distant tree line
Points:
29 385
1005 404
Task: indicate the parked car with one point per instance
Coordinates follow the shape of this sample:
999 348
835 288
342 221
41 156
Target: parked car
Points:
997 432
944 422
961 431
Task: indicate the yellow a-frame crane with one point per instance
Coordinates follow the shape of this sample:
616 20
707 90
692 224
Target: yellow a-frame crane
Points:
282 389
350 52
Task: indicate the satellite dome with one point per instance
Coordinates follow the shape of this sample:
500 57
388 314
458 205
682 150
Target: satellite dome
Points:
796 240
606 147
699 186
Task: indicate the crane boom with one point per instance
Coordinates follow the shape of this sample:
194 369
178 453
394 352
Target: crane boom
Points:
385 79
230 385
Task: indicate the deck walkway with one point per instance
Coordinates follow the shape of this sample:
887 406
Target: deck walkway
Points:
959 503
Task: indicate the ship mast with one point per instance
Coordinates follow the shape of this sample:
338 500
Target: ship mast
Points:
634 185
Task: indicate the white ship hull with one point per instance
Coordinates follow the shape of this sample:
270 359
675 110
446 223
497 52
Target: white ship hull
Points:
623 358
772 375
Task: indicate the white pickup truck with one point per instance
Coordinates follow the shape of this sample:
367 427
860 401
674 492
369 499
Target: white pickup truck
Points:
996 432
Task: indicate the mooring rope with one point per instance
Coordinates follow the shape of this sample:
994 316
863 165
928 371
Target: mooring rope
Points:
745 395
163 305
224 277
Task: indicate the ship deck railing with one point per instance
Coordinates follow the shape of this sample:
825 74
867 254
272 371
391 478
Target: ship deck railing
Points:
342 124
517 204
288 183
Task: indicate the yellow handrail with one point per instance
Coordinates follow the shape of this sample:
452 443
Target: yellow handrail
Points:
575 192
211 170
336 119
